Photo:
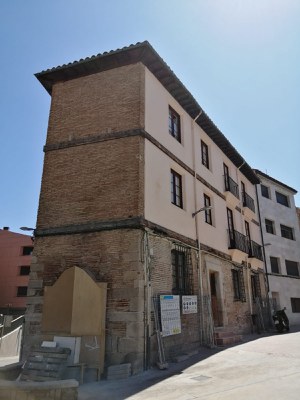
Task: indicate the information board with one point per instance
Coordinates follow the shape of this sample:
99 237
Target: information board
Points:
170 315
189 304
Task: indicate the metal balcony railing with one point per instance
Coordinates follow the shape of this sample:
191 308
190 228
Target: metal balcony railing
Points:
248 201
237 241
231 186
255 250
241 242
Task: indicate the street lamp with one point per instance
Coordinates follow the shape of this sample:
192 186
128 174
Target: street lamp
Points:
201 209
25 228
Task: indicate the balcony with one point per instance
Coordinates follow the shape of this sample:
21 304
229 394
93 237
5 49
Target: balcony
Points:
255 250
231 186
238 241
248 201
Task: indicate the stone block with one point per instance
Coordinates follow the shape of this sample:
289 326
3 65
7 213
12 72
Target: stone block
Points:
135 329
129 345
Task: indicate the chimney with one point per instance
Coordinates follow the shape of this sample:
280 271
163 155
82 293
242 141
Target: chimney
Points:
6 228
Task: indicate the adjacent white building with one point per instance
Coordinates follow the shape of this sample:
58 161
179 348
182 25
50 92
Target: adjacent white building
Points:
281 243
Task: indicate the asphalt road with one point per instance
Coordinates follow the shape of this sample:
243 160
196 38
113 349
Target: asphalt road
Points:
265 368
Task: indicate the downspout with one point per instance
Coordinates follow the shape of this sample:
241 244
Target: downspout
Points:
199 264
263 245
243 229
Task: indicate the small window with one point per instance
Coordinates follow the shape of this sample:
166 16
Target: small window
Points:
22 291
25 270
238 285
204 154
295 303
176 189
27 250
174 124
255 285
270 226
265 192
181 271
292 268
274 261
282 199
287 232
208 213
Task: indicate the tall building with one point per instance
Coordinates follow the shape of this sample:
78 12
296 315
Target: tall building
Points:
142 191
15 259
282 243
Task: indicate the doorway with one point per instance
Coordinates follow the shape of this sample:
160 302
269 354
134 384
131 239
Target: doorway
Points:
215 301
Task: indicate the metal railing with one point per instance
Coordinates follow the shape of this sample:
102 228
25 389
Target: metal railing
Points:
237 241
241 242
248 201
231 186
255 250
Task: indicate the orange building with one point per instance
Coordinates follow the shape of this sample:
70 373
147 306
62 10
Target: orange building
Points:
15 259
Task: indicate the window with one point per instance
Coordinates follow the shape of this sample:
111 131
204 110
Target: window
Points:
204 154
274 261
292 268
176 189
282 199
25 270
255 285
270 226
22 291
238 285
208 214
295 303
287 232
265 192
27 250
174 124
181 271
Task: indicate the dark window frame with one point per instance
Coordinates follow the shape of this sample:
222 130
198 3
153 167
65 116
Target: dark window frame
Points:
290 266
287 232
207 213
204 154
176 189
239 293
255 287
22 291
174 124
27 250
275 265
295 304
269 224
265 191
282 199
24 270
181 271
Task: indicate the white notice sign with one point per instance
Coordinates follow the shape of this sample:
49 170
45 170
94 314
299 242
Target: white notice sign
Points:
189 304
170 315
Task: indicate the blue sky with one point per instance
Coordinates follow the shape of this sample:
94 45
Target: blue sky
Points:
239 58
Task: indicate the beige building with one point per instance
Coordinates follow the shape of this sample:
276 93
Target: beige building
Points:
131 159
282 243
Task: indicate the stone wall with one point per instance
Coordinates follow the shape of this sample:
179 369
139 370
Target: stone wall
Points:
110 256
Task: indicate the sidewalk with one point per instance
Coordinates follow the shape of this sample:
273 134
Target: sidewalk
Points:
224 370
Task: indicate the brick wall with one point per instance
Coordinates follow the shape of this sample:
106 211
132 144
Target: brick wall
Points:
112 257
109 101
92 182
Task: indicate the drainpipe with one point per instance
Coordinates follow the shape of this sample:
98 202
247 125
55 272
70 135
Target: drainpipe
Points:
199 266
244 232
263 245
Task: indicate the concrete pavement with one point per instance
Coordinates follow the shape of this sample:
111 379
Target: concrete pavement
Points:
267 367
